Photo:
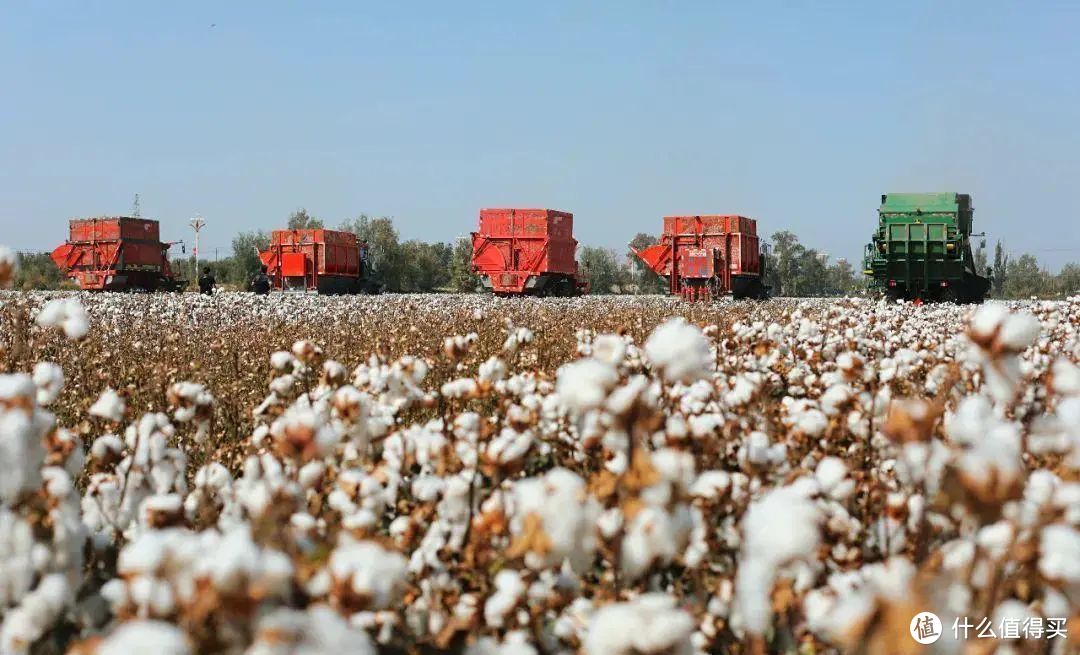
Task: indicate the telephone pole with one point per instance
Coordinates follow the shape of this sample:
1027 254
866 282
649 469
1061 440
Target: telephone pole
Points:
197 224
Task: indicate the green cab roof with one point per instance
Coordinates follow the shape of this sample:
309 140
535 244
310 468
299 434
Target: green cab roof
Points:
929 203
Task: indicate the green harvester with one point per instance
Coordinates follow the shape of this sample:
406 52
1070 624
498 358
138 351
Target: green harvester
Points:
922 249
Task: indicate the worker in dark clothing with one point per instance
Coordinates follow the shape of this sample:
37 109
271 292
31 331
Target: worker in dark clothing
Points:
260 284
207 283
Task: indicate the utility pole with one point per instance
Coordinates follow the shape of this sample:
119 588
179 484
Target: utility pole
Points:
197 224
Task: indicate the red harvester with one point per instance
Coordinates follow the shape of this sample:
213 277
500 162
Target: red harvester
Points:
327 261
705 257
527 252
117 254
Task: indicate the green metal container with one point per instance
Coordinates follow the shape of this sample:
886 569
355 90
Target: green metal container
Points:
922 248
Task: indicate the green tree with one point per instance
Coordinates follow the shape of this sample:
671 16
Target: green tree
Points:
426 266
811 275
462 277
383 252
1068 280
980 260
1026 279
38 271
1001 270
785 259
600 266
842 279
644 279
301 220
245 257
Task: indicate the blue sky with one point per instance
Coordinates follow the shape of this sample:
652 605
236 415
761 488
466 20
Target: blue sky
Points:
799 114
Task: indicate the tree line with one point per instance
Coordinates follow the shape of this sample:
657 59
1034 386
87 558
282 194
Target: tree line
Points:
415 266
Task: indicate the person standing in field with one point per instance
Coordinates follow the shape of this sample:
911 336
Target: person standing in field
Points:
207 282
260 284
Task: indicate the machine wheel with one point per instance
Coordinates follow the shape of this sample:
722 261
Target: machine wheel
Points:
950 295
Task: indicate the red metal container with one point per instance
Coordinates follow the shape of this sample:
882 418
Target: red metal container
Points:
708 256
116 254
327 261
527 252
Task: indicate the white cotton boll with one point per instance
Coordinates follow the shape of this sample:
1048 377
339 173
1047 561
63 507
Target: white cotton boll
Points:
16 387
835 617
817 607
147 553
517 644
509 589
654 536
609 348
370 571
835 398
1019 331
106 445
1059 553
610 522
676 467
1065 378
1040 487
283 360
995 538
648 625
567 515
67 314
428 488
52 313
988 318
21 455
492 370
741 393
317 631
155 637
311 474
37 613
109 406
711 485
969 423
283 384
679 351
779 527
237 561
459 388
584 384
996 456
757 450
831 476
811 422
49 380
509 446
623 398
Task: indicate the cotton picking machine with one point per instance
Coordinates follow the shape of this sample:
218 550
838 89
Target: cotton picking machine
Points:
709 256
325 261
520 252
921 250
118 253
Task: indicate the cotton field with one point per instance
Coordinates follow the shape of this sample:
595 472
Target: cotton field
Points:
279 475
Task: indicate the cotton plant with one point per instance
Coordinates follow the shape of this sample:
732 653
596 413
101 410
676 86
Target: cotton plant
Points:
509 480
41 534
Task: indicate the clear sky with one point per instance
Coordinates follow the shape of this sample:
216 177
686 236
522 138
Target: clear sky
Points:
799 114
